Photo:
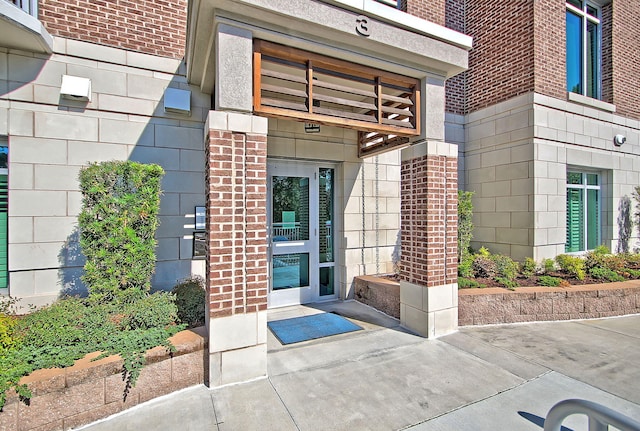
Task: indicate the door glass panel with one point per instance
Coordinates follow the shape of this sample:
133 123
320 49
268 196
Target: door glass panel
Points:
290 202
326 281
325 215
290 271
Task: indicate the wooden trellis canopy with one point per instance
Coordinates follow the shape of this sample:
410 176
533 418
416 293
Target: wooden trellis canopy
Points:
302 86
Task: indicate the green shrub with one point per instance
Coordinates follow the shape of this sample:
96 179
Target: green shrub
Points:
601 249
506 282
59 334
190 300
505 267
573 265
118 221
528 268
547 280
605 274
154 311
8 337
467 283
632 260
548 265
484 267
632 273
465 224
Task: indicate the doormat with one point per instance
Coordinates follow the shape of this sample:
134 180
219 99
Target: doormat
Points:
298 329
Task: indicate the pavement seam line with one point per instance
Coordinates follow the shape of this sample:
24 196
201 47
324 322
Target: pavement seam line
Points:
283 403
524 382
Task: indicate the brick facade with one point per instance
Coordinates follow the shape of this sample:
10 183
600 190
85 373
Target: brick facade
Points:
430 10
519 47
625 35
429 220
155 27
237 220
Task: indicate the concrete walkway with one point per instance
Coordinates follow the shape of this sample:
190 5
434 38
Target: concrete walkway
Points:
382 378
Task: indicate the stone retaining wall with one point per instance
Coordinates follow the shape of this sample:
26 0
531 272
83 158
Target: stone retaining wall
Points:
88 391
380 293
528 304
525 304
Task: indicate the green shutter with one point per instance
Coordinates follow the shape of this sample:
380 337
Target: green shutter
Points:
4 230
575 221
593 219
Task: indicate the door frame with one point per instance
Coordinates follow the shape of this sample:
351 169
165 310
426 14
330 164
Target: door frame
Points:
311 293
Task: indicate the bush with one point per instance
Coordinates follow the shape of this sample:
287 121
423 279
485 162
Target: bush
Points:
528 267
506 282
118 221
605 274
506 267
547 280
190 300
466 283
484 267
573 265
548 265
59 334
632 273
465 224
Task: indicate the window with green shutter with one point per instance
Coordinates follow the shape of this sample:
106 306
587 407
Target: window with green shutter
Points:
583 211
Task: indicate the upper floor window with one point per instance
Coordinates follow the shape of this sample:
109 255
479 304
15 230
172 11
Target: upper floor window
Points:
583 48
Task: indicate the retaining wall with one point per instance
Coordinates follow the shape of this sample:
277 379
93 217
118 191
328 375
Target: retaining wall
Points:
525 304
70 397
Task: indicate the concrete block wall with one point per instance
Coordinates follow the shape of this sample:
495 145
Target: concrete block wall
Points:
358 184
50 138
516 155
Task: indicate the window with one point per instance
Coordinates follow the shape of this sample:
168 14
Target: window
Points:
583 48
583 211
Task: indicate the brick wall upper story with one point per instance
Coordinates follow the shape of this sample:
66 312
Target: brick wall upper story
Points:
431 10
519 46
626 57
155 27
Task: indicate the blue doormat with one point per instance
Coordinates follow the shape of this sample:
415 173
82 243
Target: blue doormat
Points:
305 328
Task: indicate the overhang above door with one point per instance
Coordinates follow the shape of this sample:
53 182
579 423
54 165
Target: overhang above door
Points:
302 86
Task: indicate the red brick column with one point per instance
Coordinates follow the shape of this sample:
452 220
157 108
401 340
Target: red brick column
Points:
429 220
237 220
429 238
236 187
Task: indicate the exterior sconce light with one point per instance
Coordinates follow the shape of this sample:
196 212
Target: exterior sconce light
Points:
619 140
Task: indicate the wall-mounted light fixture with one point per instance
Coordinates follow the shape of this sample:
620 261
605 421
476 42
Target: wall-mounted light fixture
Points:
177 101
619 140
75 88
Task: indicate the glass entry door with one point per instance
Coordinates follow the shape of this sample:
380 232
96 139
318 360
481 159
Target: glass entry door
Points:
300 233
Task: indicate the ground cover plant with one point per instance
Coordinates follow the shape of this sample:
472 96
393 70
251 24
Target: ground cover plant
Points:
120 315
484 269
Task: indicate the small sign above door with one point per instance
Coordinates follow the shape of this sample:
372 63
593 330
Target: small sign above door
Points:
311 128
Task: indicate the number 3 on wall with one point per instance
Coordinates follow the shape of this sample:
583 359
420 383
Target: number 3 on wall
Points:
362 25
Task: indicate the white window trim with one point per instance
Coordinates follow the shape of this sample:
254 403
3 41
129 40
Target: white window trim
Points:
584 186
584 19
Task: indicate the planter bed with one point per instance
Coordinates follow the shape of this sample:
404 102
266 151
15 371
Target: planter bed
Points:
66 398
525 304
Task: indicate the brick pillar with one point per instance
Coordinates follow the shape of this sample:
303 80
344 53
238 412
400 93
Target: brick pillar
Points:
236 151
429 235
